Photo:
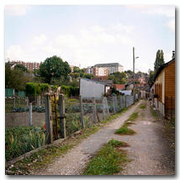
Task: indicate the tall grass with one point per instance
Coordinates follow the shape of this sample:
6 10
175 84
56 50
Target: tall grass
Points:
23 139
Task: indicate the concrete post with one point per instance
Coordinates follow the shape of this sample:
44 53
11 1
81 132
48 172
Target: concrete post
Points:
62 116
104 107
81 110
114 106
49 127
30 114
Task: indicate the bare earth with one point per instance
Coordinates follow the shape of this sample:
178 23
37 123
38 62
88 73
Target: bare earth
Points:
148 149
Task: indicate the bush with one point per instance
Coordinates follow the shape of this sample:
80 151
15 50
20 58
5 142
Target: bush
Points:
70 90
34 89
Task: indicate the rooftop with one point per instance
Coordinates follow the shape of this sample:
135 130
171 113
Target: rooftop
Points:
107 65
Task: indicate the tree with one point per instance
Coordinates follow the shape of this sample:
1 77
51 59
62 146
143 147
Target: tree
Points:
118 77
54 68
88 76
159 61
14 78
75 75
21 67
151 77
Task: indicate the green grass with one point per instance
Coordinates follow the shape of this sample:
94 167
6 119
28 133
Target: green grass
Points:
37 160
45 156
19 140
108 161
153 112
133 116
142 106
124 130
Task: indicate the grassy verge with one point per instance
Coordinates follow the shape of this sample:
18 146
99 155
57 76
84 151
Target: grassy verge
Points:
153 112
124 130
108 161
142 106
41 158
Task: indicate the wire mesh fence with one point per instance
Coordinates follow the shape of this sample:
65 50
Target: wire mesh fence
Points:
39 119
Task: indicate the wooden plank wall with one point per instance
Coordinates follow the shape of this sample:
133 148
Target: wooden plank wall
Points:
170 84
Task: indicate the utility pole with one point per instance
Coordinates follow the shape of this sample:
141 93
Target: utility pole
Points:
133 72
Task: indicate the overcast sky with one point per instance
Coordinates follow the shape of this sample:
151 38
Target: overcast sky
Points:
87 35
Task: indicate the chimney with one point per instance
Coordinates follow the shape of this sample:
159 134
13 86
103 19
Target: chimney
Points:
173 54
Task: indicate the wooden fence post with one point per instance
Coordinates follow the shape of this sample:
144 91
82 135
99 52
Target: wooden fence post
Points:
82 113
94 110
62 116
30 114
49 127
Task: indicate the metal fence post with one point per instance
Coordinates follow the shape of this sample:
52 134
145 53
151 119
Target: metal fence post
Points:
62 116
82 113
49 127
30 114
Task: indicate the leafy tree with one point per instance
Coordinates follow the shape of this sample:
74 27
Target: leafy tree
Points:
129 72
75 75
159 61
118 78
15 78
21 67
78 70
88 76
151 77
54 68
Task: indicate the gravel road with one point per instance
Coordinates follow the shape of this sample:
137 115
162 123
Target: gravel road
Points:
76 159
148 150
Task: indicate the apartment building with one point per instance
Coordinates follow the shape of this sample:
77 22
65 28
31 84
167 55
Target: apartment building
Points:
100 71
29 65
112 67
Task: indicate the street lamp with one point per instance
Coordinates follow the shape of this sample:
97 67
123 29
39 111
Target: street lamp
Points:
134 71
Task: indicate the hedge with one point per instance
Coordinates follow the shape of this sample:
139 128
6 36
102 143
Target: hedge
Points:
70 90
34 89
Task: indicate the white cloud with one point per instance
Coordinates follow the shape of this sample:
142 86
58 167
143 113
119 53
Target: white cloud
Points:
171 25
42 38
162 10
16 10
122 28
85 48
97 29
168 11
14 52
167 57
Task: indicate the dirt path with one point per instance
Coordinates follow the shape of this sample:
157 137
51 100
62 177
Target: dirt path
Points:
149 151
76 159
